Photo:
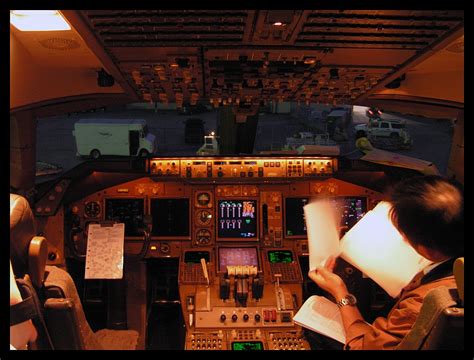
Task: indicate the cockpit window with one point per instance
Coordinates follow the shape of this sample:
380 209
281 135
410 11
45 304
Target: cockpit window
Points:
66 140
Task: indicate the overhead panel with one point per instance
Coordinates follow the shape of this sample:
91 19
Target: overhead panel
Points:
250 57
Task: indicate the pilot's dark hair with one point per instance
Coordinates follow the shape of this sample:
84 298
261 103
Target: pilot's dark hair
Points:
429 211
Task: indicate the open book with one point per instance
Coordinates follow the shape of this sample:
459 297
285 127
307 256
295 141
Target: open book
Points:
322 316
373 245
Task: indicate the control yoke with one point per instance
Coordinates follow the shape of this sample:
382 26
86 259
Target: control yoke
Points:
147 228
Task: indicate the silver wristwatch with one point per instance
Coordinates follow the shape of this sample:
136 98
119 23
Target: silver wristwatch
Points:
349 299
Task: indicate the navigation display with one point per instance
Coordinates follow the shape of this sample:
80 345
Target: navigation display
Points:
128 211
237 256
294 215
237 219
170 217
352 209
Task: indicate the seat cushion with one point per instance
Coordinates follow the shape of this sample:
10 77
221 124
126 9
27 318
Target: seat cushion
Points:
58 283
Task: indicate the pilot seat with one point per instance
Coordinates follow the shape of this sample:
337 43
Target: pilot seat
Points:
59 319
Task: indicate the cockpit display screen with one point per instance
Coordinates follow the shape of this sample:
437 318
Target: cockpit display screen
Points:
351 208
280 256
170 217
128 211
295 219
194 257
233 256
237 219
247 345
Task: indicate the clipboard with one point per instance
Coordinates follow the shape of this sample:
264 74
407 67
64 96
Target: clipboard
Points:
105 250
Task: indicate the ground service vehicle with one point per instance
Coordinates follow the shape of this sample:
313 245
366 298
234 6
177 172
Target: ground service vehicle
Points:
126 137
396 131
215 251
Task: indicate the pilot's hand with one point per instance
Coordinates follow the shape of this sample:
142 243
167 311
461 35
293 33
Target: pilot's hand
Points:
324 277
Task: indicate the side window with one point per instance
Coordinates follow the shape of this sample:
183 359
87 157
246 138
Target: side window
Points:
384 125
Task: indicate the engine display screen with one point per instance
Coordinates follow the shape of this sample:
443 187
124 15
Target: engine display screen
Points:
170 217
231 256
247 345
194 257
280 256
237 219
128 211
352 209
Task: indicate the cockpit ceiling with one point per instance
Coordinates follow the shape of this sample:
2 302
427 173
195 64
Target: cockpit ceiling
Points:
253 56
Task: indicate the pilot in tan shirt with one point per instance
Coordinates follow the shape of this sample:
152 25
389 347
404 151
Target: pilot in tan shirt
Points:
387 333
428 211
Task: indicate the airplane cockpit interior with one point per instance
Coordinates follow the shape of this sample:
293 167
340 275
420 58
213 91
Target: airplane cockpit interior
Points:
132 227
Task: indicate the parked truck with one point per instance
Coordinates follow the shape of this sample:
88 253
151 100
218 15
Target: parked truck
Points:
126 137
387 134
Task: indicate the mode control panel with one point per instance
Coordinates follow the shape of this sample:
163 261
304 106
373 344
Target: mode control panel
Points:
249 168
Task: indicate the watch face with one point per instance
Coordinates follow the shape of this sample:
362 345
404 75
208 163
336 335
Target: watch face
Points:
349 299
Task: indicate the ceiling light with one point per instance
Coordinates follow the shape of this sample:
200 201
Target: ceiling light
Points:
38 20
278 23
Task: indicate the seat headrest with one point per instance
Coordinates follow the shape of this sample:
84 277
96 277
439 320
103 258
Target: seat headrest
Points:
22 230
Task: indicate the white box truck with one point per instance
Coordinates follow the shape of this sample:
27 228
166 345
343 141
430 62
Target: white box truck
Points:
127 137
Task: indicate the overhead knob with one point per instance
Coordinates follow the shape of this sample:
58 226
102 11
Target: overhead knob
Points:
223 318
257 317
234 317
246 317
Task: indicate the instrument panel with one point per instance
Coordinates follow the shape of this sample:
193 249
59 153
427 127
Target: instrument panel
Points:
219 210
237 229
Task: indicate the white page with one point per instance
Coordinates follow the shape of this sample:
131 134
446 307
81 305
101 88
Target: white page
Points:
323 234
376 248
104 257
322 316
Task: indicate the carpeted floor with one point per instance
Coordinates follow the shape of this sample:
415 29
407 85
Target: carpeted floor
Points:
117 339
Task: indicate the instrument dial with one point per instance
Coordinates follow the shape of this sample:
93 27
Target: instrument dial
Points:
203 237
203 199
92 209
204 217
